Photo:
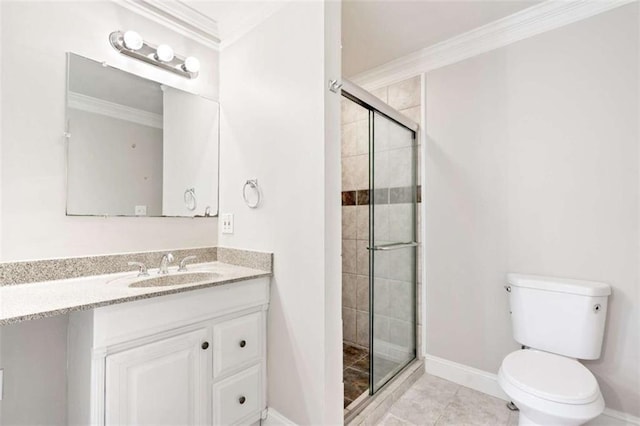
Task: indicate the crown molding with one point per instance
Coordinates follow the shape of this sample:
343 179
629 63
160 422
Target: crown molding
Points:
111 109
178 17
529 22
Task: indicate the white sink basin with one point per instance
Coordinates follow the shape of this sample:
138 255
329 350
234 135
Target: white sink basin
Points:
171 279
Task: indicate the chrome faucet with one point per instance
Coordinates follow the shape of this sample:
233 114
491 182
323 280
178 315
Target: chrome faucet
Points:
183 263
164 264
142 270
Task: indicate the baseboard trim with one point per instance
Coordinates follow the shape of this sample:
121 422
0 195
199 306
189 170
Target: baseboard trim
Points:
486 382
275 418
464 375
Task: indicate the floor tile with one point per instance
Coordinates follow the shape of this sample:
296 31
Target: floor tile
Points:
470 407
435 401
352 354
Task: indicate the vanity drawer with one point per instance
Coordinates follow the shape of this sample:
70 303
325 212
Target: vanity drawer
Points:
237 343
237 399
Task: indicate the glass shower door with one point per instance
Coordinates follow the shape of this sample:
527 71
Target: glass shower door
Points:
392 248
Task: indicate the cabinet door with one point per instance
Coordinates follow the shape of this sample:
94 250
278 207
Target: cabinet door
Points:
160 383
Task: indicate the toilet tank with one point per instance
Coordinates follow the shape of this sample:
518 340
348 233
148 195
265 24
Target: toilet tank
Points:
558 315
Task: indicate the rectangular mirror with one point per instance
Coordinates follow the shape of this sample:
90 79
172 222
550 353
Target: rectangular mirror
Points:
137 147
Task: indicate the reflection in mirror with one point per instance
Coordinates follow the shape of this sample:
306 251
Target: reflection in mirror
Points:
137 147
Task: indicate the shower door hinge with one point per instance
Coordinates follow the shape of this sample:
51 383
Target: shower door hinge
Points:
334 86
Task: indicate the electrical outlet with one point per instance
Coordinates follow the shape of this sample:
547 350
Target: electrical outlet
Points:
227 223
141 210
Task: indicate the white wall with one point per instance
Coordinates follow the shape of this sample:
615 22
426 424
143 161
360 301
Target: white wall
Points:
33 73
277 125
34 38
533 167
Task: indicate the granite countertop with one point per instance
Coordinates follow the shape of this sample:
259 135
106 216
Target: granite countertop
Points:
45 299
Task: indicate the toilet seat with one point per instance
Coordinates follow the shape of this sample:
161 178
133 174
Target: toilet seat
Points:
550 377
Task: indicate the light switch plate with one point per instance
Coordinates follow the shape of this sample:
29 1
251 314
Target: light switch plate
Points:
1 382
227 223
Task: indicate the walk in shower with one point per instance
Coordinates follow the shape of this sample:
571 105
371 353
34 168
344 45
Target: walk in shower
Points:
379 199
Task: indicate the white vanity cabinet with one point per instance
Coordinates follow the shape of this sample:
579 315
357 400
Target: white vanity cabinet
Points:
192 358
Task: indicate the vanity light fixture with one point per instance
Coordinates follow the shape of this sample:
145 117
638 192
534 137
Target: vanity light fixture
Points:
164 53
130 43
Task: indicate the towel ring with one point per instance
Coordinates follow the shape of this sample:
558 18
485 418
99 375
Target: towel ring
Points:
253 184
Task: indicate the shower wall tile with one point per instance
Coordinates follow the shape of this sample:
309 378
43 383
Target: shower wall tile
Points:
400 333
349 223
405 94
361 172
381 222
348 198
352 112
362 257
362 137
349 139
349 325
400 303
349 291
349 256
413 113
362 329
401 221
362 222
401 167
363 197
381 327
381 297
362 293
399 137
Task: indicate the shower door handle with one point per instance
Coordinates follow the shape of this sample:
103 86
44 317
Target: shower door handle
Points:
393 246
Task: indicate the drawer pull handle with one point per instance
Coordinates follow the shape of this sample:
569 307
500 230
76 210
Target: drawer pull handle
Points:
242 400
205 345
243 343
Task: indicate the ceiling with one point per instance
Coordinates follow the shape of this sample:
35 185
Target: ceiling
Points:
375 32
234 17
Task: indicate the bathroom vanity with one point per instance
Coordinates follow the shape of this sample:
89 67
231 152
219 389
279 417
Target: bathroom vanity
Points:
191 358
145 350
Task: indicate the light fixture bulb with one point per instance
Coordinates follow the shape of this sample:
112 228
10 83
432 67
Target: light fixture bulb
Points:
191 64
132 40
164 53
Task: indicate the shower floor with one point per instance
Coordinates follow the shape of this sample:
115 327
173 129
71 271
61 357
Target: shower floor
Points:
355 372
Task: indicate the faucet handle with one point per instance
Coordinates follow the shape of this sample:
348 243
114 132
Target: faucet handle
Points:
183 263
142 269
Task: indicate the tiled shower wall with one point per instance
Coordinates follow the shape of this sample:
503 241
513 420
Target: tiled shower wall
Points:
405 97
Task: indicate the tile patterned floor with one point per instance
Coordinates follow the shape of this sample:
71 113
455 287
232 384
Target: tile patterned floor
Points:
435 401
355 372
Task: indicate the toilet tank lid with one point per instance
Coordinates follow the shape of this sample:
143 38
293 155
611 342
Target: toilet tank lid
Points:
559 285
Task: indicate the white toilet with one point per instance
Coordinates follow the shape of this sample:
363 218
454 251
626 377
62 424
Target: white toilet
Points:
559 321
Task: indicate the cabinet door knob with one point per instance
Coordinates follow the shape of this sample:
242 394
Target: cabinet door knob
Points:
243 343
205 345
242 400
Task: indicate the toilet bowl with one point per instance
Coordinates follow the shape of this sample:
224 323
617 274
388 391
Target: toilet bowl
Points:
550 389
561 320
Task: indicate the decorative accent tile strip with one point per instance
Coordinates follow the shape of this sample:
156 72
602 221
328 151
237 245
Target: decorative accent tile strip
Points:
348 198
362 197
248 259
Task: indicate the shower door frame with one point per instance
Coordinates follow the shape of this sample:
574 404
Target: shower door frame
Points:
370 102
